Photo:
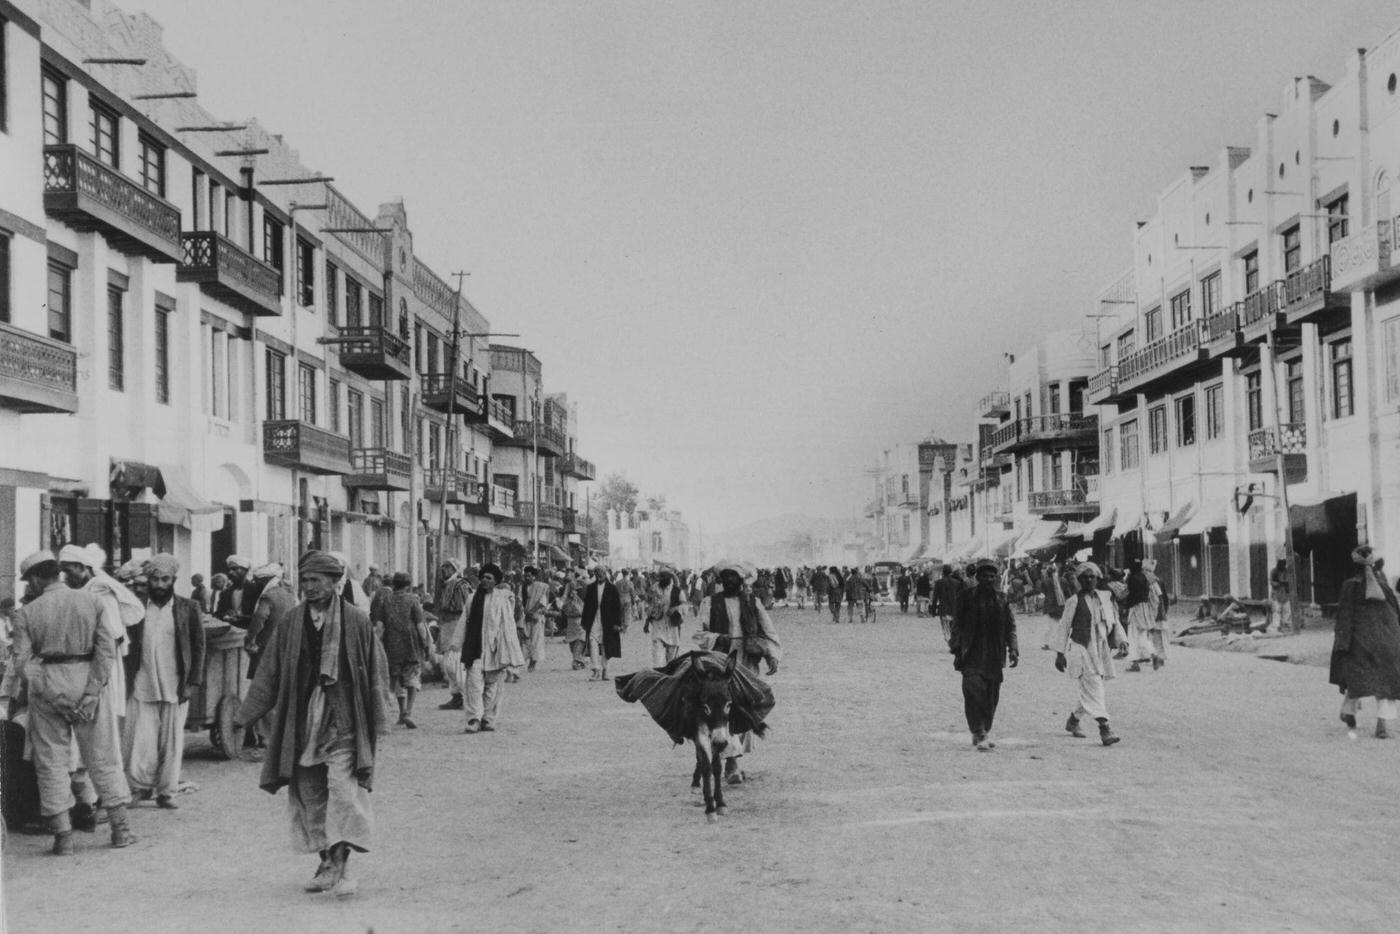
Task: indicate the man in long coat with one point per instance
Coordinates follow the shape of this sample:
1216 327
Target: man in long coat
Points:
1089 629
323 680
1366 644
983 643
603 622
489 648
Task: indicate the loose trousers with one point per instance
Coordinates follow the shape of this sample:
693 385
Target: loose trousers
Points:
980 697
326 805
482 692
153 745
533 643
663 653
53 737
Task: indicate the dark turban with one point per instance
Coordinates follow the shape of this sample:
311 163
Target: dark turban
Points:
494 570
318 562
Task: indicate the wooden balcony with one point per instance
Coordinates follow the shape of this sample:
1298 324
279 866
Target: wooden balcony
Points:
500 421
994 404
300 446
441 395
1103 386
226 271
37 374
1054 430
569 523
1308 296
1364 261
374 353
1289 440
461 487
1223 338
578 468
1162 360
87 194
1080 498
550 515
1259 313
379 469
550 441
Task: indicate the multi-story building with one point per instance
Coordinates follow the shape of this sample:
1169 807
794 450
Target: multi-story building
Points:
1255 354
205 347
905 487
573 469
647 538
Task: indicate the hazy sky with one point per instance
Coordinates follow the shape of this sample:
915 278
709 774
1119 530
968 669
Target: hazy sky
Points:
759 242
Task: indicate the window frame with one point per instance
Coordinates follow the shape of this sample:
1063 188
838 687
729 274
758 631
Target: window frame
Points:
98 114
1152 325
54 120
1180 304
1338 217
1212 294
66 294
306 273
1184 420
1291 244
1341 378
1250 275
306 393
275 384
1295 403
1129 445
116 338
1157 435
152 169
1254 400
1215 411
6 276
162 353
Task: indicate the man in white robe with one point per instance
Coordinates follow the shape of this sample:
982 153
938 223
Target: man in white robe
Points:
1089 629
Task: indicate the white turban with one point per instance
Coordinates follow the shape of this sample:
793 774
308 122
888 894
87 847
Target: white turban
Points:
267 570
238 561
72 554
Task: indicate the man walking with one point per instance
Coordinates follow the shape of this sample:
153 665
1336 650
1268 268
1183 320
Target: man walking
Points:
489 648
450 605
405 644
946 591
63 658
835 590
923 592
322 679
1089 628
536 598
166 659
745 630
983 643
603 622
664 619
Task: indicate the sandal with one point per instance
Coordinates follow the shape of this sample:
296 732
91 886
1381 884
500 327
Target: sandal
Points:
594 677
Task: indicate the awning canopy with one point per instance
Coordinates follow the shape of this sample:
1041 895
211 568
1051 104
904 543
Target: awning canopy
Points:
1006 543
1040 536
915 553
1129 520
1169 529
559 555
1101 524
181 505
959 551
1209 516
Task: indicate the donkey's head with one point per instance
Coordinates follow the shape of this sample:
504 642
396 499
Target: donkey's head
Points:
712 704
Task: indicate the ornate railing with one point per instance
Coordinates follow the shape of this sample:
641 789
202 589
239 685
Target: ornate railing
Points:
299 444
993 402
1182 342
1288 438
540 434
549 514
213 253
440 384
1084 493
1259 305
502 498
1223 325
576 466
33 360
68 170
460 486
1307 283
1103 383
370 341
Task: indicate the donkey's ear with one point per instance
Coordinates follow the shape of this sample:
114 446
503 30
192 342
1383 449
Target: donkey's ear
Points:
729 665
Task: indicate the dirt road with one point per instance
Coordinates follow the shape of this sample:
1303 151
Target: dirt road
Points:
1235 802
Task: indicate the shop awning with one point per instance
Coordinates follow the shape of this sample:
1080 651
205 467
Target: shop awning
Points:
1129 520
959 551
915 553
1173 525
559 555
181 505
1039 537
1210 516
1331 522
1103 523
1007 543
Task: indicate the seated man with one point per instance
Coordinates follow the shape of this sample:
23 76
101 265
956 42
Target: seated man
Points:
1234 615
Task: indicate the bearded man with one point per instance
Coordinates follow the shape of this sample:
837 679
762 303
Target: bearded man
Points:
742 628
536 599
165 661
489 648
983 643
1089 628
322 679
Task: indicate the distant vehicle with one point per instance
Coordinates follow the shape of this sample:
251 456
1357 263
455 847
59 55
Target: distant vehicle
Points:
884 574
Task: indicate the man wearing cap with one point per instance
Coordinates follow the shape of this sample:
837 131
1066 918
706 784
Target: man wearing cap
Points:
405 644
165 661
1089 629
63 657
536 599
746 631
321 682
983 643
453 594
489 647
603 621
230 606
275 598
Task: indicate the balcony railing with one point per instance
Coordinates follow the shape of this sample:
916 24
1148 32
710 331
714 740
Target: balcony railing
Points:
1307 293
229 273
501 502
1223 326
374 352
499 418
1364 260
578 468
88 194
994 403
301 446
569 523
1180 345
1082 496
1052 427
549 440
379 469
441 395
461 487
1103 384
550 516
37 374
1288 438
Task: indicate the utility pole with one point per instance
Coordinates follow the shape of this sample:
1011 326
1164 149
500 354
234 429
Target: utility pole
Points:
449 454
1290 559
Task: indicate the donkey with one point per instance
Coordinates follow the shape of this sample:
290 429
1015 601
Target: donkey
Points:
707 707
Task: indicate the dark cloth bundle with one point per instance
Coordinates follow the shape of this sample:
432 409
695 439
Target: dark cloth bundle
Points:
667 693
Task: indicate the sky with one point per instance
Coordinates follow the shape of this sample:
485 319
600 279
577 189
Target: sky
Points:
759 243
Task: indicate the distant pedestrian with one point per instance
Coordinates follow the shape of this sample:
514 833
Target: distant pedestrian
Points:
536 601
450 604
1366 644
1280 600
923 592
405 645
983 644
1089 629
664 619
603 621
903 588
489 647
946 591
1141 612
821 584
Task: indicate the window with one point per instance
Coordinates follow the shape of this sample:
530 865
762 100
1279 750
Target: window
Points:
333 405
272 245
1107 448
1157 429
1105 356
1185 421
1390 340
430 362
1215 411
1254 401
4 276
306 273
1336 219
4 79
376 311
434 447
1292 249
1128 453
1251 272
54 90
60 302
1051 403
103 138
152 166
217 370
1152 325
355 417
1126 345
1293 383
162 355
306 393
1181 309
1210 295
116 339
1339 356
353 291
332 294
276 385
376 423
405 420
1057 472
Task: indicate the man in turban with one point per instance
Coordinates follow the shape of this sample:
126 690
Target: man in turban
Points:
63 658
454 590
230 607
165 661
1089 629
490 647
321 683
983 643
1366 644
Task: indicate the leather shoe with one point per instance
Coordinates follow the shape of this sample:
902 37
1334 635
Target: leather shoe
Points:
167 802
454 704
1072 727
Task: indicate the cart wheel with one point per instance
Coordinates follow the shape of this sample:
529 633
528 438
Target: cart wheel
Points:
223 732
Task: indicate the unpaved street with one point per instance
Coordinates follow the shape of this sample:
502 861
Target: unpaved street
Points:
1235 802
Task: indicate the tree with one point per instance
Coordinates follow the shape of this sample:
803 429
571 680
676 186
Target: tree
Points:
616 492
656 503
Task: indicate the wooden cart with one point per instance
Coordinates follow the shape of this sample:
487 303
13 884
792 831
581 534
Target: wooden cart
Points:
215 703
